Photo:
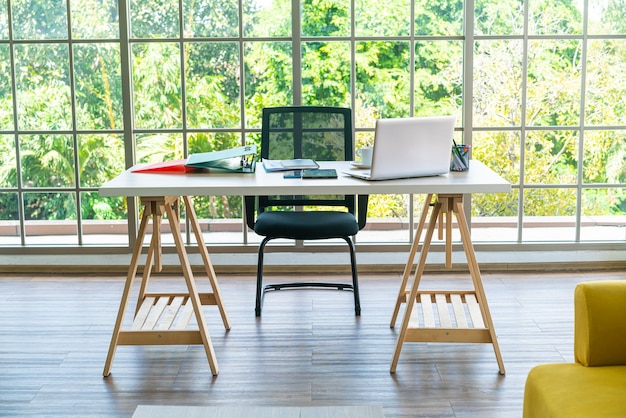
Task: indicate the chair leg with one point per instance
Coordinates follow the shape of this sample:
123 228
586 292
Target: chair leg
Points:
260 291
355 277
259 279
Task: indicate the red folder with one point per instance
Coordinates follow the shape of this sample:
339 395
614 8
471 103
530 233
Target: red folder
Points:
177 166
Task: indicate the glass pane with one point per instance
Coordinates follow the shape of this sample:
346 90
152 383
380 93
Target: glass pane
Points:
219 207
548 17
326 73
604 215
553 63
157 85
497 17
9 210
264 18
606 17
10 233
606 82
500 151
391 20
50 206
433 18
100 158
206 142
497 83
551 157
159 147
220 219
6 93
325 18
98 86
494 217
604 157
383 78
388 206
95 19
211 19
47 160
39 19
439 78
268 78
549 215
50 218
154 18
43 87
104 219
213 85
549 202
8 162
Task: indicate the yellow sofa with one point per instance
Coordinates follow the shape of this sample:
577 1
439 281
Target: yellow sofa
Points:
595 385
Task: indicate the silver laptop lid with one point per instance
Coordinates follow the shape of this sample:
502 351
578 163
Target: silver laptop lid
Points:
412 147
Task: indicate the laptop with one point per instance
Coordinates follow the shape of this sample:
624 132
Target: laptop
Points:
410 147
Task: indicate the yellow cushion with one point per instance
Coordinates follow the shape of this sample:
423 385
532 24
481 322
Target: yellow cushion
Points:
570 390
600 323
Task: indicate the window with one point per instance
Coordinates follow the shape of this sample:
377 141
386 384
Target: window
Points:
90 87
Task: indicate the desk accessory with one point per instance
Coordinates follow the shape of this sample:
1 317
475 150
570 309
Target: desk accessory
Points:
293 174
410 147
239 160
285 165
365 155
299 164
319 174
177 166
460 157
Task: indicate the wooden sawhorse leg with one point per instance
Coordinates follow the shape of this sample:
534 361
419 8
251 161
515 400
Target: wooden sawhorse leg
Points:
162 318
430 321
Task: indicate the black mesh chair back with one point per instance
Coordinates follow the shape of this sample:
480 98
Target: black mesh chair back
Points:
322 134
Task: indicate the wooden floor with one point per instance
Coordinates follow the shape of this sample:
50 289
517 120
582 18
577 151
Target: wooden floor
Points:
308 349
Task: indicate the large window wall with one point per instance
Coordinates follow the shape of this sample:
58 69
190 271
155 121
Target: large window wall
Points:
91 87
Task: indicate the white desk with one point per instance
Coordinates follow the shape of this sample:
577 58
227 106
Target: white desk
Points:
160 193
479 179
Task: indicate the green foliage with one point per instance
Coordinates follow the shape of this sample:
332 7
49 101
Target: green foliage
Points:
325 18
210 85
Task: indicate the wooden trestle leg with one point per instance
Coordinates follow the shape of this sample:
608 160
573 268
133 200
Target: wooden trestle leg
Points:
427 313
162 318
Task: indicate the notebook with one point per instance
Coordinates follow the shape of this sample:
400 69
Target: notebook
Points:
410 147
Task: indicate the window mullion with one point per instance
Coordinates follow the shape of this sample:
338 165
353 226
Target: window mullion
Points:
128 113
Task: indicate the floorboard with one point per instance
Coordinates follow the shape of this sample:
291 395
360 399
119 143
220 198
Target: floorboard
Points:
308 348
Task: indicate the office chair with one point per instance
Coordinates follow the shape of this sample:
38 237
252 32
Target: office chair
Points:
322 134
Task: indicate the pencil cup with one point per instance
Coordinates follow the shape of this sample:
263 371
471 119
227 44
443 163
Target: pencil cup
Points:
459 160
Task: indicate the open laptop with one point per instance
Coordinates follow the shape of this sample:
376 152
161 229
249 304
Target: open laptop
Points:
410 147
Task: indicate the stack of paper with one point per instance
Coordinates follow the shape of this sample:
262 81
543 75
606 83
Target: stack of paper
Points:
295 164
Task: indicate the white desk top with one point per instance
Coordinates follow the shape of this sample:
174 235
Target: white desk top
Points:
479 179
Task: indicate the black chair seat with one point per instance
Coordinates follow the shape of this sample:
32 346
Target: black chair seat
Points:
306 225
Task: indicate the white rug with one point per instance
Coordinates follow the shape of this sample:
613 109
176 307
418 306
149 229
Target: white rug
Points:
162 411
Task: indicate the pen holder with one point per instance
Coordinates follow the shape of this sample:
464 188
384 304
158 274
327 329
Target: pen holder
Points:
459 160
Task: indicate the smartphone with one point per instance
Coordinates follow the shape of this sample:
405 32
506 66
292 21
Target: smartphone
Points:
319 174
295 174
